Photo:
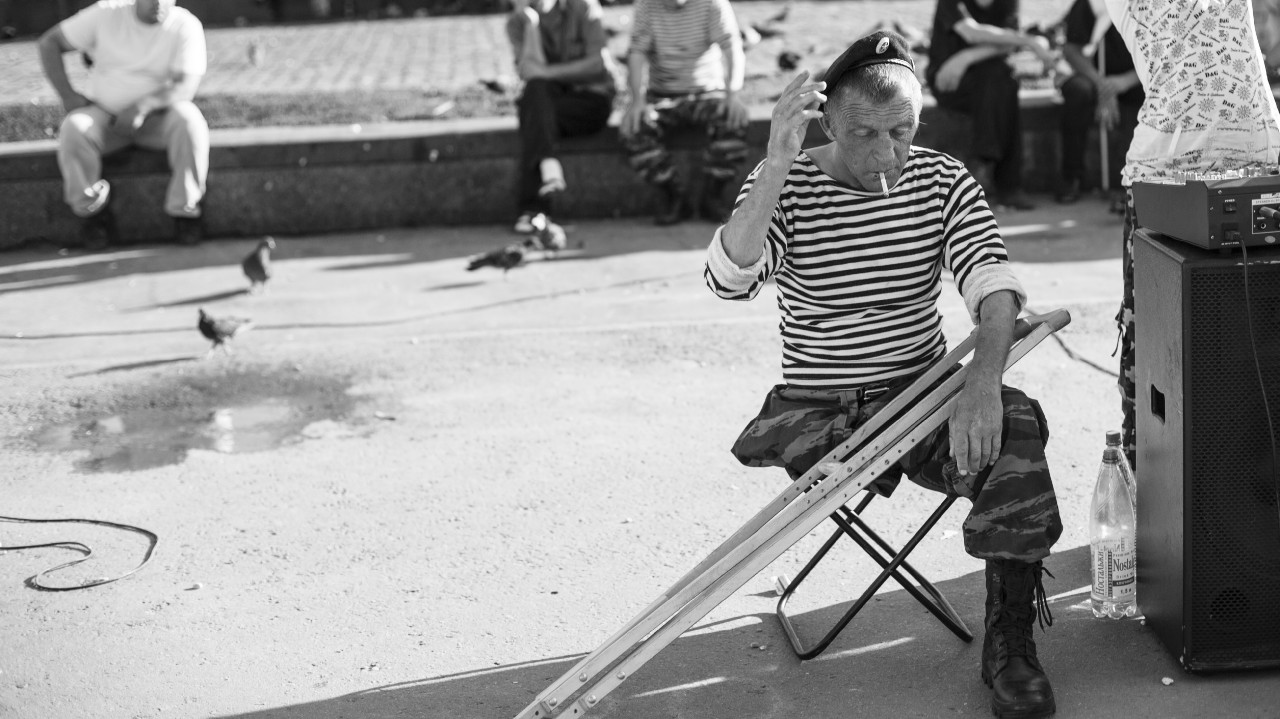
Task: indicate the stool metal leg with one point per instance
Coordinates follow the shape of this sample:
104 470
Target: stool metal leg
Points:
890 561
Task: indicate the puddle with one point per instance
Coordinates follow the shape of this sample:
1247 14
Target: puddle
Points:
234 413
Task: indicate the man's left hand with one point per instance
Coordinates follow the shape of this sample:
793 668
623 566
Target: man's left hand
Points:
129 121
734 112
976 425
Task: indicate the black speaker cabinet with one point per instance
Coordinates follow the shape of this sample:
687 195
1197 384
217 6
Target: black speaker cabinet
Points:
1208 521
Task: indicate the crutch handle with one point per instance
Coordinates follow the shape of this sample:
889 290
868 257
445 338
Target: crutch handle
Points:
1057 319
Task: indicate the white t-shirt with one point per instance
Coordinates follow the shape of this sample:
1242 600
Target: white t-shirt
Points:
1208 105
133 59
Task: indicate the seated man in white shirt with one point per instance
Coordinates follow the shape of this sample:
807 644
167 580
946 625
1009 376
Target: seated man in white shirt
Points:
148 58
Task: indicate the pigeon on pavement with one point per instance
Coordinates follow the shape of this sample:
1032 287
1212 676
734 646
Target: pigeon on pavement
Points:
503 258
257 265
221 330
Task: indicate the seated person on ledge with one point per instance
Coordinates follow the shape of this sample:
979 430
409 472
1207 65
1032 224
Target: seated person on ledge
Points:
1111 95
560 53
685 68
148 59
968 72
856 234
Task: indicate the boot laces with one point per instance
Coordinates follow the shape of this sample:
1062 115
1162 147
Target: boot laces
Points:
1016 622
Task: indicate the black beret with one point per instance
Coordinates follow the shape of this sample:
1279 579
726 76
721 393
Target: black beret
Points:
879 48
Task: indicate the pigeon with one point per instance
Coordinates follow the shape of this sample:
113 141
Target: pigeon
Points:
788 60
504 258
257 266
221 330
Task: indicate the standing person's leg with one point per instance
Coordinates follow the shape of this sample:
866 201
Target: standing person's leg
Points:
725 151
988 93
181 131
1079 98
1012 524
648 155
83 139
1127 383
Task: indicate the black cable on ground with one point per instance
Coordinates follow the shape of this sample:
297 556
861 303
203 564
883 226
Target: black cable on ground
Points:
34 581
1075 357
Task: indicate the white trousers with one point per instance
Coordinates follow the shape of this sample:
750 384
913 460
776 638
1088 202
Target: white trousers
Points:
180 130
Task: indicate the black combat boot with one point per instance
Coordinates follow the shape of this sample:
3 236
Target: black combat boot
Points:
1015 599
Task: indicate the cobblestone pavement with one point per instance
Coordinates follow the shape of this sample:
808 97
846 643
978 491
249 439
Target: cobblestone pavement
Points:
451 52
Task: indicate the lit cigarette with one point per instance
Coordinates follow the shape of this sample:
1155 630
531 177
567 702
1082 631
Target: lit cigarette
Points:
884 185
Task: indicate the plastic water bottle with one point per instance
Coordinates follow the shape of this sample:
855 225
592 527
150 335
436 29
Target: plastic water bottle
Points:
1113 536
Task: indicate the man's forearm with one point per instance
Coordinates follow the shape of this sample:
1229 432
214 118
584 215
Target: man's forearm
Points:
1074 56
183 90
734 67
976 33
638 76
744 237
996 317
585 68
54 69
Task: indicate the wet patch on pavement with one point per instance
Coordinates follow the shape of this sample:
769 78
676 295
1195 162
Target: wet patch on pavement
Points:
218 409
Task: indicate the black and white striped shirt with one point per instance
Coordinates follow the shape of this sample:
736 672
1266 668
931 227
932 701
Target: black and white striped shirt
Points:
684 44
859 274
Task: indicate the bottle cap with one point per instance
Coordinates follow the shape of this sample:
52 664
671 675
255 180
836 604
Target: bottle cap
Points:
1113 438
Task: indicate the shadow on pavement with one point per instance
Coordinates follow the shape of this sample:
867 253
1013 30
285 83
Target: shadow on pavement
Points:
894 660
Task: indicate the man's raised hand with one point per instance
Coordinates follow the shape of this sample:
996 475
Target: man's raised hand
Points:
796 107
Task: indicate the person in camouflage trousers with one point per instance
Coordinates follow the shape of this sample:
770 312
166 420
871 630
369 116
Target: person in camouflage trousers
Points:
726 148
1014 514
855 235
685 67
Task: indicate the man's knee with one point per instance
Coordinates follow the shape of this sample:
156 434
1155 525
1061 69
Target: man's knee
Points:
1023 418
189 116
76 128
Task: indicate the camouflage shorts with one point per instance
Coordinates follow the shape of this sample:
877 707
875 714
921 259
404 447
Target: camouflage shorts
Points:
1014 513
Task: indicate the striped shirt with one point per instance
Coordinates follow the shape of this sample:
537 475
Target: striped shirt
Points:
684 44
859 274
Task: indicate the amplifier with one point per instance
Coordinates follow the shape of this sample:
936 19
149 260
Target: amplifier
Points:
1212 211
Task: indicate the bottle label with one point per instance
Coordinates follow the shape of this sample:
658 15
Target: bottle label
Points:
1115 570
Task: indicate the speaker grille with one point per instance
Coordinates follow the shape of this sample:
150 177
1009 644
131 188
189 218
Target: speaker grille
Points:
1235 530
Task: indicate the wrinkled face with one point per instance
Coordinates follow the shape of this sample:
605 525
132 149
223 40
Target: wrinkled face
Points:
873 137
153 11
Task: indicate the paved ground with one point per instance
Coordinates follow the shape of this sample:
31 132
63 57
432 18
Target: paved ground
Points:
452 52
418 491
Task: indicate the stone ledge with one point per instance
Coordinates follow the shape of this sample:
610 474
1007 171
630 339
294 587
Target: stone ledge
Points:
292 180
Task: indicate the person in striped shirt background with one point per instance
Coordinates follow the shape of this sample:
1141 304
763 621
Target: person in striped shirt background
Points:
856 234
685 66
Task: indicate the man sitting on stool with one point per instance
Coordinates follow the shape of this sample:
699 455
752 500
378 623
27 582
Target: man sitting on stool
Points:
148 59
856 233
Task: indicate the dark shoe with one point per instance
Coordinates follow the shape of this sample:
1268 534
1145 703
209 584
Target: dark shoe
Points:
985 174
98 231
673 207
1070 192
187 230
1016 200
711 203
1015 599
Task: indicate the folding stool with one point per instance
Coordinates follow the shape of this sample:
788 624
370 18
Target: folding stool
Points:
851 524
